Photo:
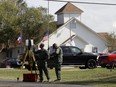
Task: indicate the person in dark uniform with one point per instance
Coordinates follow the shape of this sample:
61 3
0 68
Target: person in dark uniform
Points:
42 58
58 59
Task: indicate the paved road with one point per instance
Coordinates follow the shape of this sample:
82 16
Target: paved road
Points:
8 83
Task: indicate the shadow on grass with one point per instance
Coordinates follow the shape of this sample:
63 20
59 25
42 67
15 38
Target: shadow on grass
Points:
109 80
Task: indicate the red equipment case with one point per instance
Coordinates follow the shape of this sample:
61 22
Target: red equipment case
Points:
30 77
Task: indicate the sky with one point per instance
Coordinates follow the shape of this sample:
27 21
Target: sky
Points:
100 18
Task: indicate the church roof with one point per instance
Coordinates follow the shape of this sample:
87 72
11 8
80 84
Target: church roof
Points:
69 8
103 35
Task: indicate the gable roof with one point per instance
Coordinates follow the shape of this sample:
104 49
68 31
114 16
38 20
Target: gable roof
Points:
69 8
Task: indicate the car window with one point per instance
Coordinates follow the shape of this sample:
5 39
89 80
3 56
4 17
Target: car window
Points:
66 50
114 52
75 50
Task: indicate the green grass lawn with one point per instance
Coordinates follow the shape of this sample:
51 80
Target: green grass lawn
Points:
99 77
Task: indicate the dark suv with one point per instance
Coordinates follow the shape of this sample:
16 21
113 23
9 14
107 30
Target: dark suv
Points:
74 56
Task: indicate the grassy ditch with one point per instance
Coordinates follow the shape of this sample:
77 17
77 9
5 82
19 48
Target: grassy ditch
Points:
99 77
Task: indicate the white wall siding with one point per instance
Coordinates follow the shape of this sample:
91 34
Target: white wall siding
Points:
90 36
68 16
76 42
80 43
63 18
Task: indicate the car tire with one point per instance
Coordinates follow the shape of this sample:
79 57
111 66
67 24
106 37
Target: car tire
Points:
91 64
109 67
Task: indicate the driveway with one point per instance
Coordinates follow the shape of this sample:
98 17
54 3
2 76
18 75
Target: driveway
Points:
12 83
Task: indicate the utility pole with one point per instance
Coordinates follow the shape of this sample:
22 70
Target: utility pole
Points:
48 24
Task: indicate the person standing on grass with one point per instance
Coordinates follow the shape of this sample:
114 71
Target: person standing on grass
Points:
58 59
43 56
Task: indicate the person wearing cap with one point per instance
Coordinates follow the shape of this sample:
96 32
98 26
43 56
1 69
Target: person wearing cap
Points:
58 59
42 58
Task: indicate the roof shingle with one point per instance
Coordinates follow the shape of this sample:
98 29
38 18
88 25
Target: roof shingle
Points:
69 8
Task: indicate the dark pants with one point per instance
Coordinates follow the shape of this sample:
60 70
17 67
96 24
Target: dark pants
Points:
42 66
58 70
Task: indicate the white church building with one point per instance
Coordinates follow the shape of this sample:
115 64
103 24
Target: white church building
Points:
72 32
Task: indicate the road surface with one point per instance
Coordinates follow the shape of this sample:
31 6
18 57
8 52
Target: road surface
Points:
12 83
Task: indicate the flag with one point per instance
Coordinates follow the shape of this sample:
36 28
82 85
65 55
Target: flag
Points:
45 36
19 40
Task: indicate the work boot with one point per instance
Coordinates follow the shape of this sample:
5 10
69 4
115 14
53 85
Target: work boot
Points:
48 80
57 80
41 81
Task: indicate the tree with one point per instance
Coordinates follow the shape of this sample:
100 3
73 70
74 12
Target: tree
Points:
34 23
111 40
8 22
16 18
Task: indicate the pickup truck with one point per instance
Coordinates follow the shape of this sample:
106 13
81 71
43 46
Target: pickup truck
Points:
72 55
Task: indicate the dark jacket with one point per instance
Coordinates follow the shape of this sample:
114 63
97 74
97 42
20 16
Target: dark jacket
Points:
42 55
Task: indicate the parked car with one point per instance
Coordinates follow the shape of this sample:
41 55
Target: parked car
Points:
11 63
107 60
72 55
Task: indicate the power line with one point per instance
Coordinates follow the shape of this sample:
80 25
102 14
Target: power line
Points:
83 2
